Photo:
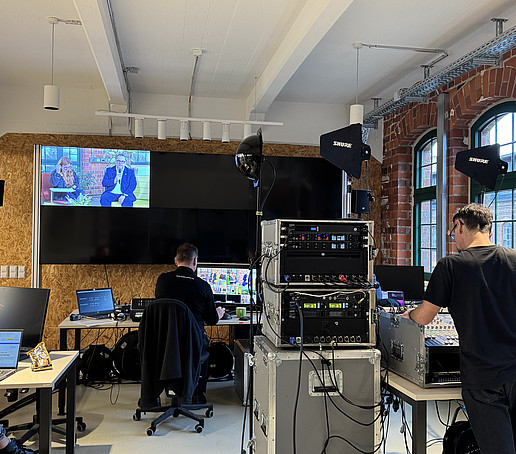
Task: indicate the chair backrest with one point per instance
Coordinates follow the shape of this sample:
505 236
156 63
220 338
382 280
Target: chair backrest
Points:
170 344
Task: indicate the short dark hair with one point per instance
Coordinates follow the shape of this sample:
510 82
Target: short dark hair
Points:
475 217
186 253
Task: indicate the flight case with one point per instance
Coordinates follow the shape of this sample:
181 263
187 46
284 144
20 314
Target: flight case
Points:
354 375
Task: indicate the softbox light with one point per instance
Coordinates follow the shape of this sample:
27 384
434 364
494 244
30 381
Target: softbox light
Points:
482 164
248 158
344 148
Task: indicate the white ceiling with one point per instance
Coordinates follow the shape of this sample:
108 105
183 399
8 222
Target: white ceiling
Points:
257 51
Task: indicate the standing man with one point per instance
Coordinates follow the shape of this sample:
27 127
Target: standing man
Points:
478 285
120 183
184 285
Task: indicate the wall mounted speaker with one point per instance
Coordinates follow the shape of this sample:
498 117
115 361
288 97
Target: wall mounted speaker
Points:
2 186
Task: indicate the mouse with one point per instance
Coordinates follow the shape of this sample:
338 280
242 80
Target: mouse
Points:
244 318
226 316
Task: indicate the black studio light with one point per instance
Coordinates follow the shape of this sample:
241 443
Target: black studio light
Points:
249 157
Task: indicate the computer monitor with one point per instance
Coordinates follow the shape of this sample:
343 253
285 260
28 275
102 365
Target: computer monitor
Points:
96 302
229 283
24 308
408 279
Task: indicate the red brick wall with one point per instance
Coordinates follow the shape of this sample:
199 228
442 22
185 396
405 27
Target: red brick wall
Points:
470 96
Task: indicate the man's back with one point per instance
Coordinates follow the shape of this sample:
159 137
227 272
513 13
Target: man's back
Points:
479 287
183 285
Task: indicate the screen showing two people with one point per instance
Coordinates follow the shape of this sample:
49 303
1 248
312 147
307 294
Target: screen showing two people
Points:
72 176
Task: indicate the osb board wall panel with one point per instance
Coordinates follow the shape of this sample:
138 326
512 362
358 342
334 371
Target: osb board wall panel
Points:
16 167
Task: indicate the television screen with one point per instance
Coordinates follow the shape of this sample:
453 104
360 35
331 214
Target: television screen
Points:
229 282
199 198
72 176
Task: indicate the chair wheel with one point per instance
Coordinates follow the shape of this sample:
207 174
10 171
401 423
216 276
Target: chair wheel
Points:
150 431
209 413
137 416
81 426
198 428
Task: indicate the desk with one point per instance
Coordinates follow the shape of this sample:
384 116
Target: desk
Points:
417 398
45 381
59 190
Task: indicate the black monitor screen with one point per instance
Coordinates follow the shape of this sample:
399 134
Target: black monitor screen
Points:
26 309
408 279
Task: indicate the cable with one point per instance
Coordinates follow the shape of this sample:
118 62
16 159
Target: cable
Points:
294 422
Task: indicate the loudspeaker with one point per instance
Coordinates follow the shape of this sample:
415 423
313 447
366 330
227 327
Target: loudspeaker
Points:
360 201
220 361
2 186
96 364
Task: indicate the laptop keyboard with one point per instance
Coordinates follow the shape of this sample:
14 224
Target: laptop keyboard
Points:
6 373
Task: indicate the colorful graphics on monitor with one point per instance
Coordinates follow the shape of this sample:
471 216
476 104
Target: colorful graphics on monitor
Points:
229 283
72 176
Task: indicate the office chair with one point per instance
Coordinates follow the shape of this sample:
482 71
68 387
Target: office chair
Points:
170 344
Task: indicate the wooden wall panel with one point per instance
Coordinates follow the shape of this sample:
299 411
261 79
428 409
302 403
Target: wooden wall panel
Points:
16 167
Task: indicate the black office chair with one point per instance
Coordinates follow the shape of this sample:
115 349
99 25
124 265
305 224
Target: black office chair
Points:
170 344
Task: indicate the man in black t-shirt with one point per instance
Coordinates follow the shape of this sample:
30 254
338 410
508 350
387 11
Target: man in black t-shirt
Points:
478 285
184 285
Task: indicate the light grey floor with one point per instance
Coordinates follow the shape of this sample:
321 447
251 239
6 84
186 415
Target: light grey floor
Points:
111 429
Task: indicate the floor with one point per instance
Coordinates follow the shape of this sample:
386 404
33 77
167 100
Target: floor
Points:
111 429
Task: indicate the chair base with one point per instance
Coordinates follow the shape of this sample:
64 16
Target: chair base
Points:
175 410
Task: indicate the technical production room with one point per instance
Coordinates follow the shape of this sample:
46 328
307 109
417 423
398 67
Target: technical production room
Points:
258 227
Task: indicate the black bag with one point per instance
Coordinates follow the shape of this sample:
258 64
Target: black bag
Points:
220 361
459 438
126 357
96 364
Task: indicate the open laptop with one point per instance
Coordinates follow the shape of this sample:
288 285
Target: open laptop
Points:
10 343
96 302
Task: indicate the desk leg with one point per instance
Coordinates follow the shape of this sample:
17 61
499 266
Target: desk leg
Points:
63 345
44 396
70 408
418 427
63 339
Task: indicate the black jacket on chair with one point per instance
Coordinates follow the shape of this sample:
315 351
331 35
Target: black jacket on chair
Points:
170 344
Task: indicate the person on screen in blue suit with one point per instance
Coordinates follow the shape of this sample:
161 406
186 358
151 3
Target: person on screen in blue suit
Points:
120 183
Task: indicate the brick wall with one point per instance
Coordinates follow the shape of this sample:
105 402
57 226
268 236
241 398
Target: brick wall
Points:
470 96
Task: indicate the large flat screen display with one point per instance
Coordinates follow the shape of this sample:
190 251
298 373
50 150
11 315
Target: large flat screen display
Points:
199 198
72 176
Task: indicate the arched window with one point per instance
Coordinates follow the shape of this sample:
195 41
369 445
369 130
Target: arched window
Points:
498 125
425 205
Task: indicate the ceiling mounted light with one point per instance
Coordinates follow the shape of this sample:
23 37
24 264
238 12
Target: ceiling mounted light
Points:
183 130
51 92
138 128
162 129
225 132
206 131
249 157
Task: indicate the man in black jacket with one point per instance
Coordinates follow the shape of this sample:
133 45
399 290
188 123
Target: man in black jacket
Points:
184 285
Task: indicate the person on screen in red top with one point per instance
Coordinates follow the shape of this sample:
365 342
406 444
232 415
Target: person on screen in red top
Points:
478 286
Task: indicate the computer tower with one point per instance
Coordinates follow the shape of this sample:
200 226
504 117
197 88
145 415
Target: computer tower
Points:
353 375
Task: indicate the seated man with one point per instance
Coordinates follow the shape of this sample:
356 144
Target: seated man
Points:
120 183
184 285
11 446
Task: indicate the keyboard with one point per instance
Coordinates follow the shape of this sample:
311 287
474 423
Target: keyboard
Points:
6 373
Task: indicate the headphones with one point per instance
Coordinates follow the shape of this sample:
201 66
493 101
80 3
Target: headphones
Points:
120 316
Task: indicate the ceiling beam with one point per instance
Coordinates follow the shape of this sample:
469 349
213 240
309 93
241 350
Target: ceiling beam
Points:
313 22
96 20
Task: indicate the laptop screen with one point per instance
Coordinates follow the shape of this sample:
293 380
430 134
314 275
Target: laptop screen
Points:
97 301
10 343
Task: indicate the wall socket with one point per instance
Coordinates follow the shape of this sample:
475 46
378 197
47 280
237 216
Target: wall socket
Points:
21 271
13 271
4 270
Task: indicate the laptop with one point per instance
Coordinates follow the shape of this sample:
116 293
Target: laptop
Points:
95 302
10 344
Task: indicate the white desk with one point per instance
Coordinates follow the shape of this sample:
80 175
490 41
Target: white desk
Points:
64 368
417 398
